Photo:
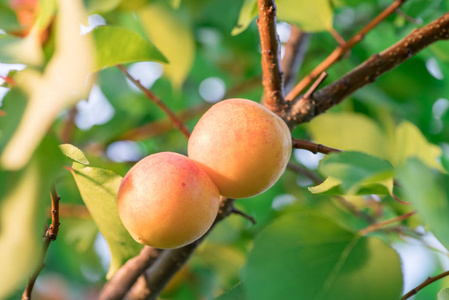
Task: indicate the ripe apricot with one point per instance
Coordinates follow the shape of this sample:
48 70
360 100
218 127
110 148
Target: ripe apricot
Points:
242 146
167 201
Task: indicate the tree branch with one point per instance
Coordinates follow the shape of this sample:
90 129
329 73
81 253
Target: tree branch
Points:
368 71
380 225
149 94
340 51
117 287
158 275
272 80
295 51
313 147
50 234
424 284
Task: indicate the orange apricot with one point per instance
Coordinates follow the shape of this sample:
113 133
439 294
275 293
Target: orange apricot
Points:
242 146
167 201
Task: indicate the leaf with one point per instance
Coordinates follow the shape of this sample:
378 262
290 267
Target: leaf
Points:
24 196
357 171
443 294
25 50
330 186
247 13
173 36
98 188
117 45
8 19
236 293
310 16
425 189
73 153
101 6
349 132
14 105
410 142
56 89
305 256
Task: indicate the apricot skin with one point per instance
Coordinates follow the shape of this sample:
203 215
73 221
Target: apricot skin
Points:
167 201
242 146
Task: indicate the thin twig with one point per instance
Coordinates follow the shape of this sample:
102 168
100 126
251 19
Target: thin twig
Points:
399 200
315 85
381 225
50 234
340 40
340 51
272 81
243 214
424 284
150 95
408 18
306 172
367 72
313 147
68 125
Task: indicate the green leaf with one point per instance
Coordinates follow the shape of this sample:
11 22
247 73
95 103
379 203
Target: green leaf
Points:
330 186
74 153
98 188
425 189
356 170
14 105
55 89
24 196
25 50
247 13
443 294
174 37
349 132
410 142
8 19
117 45
101 6
310 16
305 256
236 293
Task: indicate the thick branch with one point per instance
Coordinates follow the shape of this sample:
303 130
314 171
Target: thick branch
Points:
341 50
149 94
424 284
367 72
117 287
313 147
171 261
51 234
271 65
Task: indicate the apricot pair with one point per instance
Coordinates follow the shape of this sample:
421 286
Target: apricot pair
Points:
237 149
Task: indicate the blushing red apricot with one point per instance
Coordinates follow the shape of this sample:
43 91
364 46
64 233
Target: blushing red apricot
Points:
167 201
242 146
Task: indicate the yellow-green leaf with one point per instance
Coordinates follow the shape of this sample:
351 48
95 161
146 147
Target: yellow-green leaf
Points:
173 36
73 153
98 188
64 82
410 142
349 131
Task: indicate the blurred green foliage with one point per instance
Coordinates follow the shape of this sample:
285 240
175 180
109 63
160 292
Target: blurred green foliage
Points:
303 243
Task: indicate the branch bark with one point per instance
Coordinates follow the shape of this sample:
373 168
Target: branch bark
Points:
158 275
51 233
341 50
313 147
272 81
424 284
117 287
304 109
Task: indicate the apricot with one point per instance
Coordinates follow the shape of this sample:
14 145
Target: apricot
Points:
242 146
167 201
